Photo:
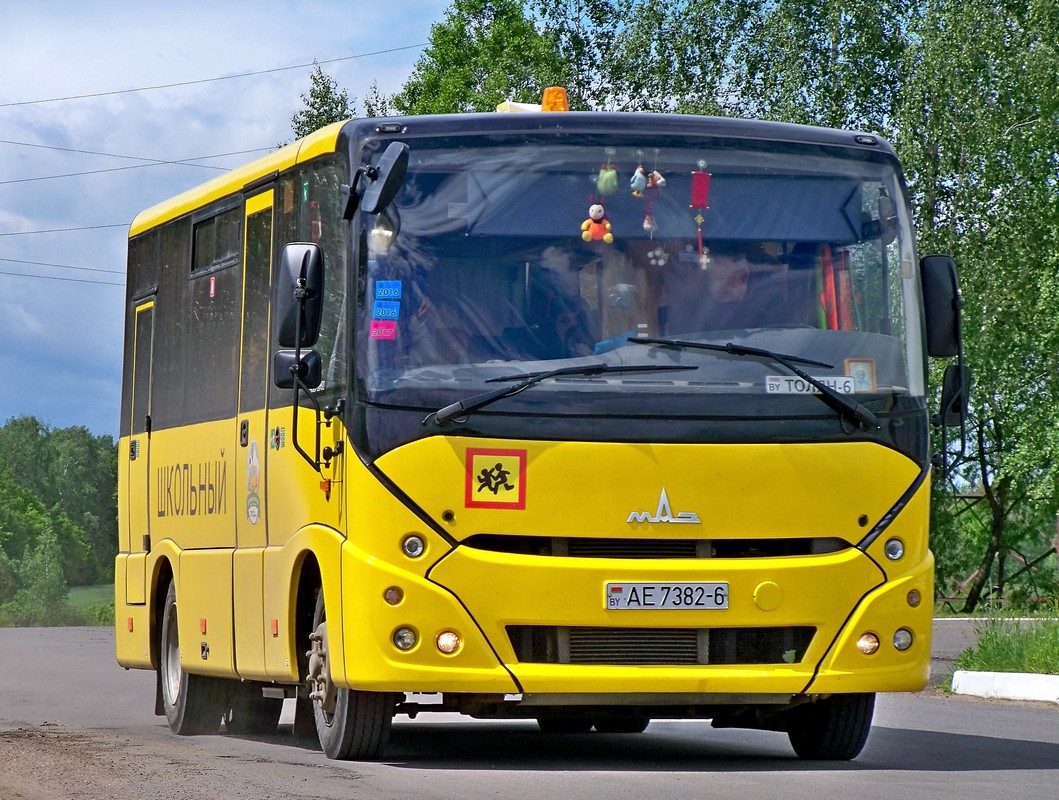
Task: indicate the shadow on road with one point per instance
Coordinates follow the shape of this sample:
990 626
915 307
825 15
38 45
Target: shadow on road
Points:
522 748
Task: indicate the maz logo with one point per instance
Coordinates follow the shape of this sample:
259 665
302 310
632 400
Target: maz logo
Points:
664 513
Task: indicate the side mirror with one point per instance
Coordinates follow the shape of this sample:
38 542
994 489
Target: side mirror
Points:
384 179
955 392
299 294
286 365
389 175
941 302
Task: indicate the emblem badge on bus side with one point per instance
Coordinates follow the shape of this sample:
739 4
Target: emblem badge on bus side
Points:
664 513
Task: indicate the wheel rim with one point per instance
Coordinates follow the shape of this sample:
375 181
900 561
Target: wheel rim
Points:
171 658
322 691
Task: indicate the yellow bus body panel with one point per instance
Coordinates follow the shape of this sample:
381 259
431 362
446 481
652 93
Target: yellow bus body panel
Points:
281 566
766 491
204 618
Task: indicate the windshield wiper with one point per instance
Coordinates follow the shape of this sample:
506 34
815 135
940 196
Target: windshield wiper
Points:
840 403
444 416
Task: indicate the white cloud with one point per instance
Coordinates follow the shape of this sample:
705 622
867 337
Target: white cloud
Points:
63 340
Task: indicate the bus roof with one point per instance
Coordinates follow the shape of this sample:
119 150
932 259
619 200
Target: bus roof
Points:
620 123
315 144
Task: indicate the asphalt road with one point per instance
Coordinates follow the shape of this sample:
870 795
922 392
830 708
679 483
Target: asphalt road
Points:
75 726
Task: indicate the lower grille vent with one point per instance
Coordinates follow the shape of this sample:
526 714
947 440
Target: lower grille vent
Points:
543 644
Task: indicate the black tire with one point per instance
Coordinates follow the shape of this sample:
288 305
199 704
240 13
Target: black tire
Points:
350 724
834 729
192 703
571 724
622 724
252 714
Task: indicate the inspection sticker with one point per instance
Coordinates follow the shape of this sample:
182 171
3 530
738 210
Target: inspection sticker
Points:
792 384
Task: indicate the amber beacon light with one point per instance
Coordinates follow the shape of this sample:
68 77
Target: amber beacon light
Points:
554 99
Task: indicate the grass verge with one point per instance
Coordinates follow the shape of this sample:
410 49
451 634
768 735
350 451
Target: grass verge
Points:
1009 644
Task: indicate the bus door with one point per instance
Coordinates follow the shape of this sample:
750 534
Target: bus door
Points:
138 495
253 439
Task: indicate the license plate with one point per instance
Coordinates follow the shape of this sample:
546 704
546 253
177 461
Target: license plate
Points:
668 596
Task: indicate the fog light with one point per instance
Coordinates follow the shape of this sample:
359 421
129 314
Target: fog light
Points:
393 595
404 639
413 546
448 642
894 549
914 598
902 639
868 643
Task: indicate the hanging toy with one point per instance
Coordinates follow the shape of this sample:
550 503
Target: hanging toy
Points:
597 227
653 187
700 201
607 180
638 182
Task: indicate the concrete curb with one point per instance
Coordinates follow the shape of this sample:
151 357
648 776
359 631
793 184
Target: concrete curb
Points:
1007 685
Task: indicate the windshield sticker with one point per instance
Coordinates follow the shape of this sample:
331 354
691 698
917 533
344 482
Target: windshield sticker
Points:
387 290
383 330
495 479
386 309
790 384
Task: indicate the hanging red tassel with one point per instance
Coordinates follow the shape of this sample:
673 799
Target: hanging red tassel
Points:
700 200
700 190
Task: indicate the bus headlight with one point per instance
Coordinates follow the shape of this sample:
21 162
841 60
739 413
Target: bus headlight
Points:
448 642
404 639
894 549
868 643
902 639
413 546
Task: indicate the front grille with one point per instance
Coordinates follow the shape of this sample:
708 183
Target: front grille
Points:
546 644
591 547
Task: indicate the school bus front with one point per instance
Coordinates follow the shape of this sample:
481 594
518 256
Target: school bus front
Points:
583 418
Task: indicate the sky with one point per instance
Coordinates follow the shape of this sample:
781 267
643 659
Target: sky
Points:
78 152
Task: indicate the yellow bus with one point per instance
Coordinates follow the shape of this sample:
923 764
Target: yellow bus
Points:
582 418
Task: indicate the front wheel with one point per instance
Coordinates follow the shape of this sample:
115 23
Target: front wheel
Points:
350 724
622 724
192 703
565 724
833 729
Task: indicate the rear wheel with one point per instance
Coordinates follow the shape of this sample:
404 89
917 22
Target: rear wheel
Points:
833 729
192 703
350 724
622 724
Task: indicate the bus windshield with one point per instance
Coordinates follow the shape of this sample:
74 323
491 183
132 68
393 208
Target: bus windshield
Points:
508 256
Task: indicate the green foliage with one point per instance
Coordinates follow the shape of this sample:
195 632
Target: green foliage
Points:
58 518
1006 644
325 103
377 104
484 52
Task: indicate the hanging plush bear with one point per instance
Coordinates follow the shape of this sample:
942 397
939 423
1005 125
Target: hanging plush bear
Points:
597 227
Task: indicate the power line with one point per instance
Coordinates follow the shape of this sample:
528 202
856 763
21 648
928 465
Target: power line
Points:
59 278
153 162
62 266
188 161
64 230
208 80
